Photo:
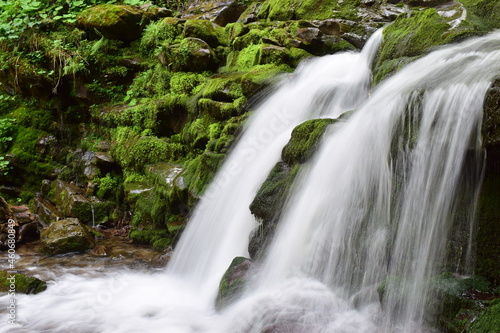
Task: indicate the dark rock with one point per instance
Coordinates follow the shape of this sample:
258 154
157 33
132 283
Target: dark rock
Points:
330 27
250 14
65 236
229 13
233 282
427 3
46 210
356 40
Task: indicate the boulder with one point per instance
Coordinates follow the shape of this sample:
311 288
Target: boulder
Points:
114 21
233 282
22 284
191 55
208 31
65 236
229 13
46 210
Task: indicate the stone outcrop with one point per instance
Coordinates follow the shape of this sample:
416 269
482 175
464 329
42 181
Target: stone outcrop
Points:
65 236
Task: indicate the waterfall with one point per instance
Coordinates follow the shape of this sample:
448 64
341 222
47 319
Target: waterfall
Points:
374 207
378 203
220 226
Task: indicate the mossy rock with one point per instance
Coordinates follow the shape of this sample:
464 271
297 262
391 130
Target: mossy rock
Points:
113 21
65 236
489 321
223 88
166 31
304 141
216 109
22 284
412 36
284 10
190 55
201 170
233 282
210 32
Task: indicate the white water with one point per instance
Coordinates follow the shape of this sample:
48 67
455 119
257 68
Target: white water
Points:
378 201
181 300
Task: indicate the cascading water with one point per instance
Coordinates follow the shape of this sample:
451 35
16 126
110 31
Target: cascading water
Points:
377 204
220 226
181 300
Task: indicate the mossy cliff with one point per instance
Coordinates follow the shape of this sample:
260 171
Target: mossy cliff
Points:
133 108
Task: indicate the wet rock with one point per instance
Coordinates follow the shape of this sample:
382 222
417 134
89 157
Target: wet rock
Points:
232 283
72 203
250 14
65 236
21 283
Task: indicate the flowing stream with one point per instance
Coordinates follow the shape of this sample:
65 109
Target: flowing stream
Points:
376 204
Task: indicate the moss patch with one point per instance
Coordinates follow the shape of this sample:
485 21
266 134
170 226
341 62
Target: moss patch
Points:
23 284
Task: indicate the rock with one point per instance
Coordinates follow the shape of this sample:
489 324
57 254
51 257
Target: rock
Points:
207 31
65 236
330 27
192 54
304 140
229 13
22 284
114 21
216 109
46 210
250 14
233 282
72 203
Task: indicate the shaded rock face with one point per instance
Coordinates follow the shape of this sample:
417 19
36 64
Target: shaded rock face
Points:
24 225
219 12
233 282
65 236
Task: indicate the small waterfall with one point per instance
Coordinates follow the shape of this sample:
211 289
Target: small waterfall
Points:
377 203
220 226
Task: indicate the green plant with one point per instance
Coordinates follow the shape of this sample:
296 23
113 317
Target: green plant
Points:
7 128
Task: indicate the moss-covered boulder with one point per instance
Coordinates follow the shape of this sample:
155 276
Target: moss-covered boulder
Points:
190 55
20 283
489 321
233 282
208 31
65 236
114 21
410 36
200 171
304 140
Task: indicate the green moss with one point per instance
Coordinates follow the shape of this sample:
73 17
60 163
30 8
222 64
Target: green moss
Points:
296 55
216 109
412 36
271 197
147 236
34 117
162 243
108 185
208 31
489 321
245 59
23 284
186 83
304 141
279 10
482 15
229 286
154 82
158 33
133 152
201 170
389 67
190 55
223 88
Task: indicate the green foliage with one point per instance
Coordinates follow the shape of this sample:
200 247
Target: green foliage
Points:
154 82
166 31
108 185
7 129
18 16
489 321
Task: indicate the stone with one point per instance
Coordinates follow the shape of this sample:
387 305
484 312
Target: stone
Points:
229 13
23 284
46 210
330 27
232 283
192 54
65 236
113 21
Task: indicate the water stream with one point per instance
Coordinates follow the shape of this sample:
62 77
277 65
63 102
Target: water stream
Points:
376 204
